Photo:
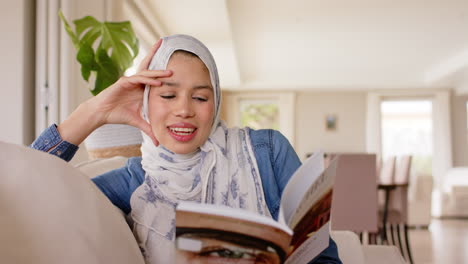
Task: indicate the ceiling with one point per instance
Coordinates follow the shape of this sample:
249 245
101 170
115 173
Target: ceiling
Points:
322 45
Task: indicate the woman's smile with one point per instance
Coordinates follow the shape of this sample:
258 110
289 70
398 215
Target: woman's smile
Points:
182 132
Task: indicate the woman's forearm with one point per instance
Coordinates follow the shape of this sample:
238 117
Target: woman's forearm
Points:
82 122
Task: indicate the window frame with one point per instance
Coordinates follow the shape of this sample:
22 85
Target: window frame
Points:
286 105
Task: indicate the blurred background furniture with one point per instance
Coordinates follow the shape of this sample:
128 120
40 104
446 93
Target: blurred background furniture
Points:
420 201
393 210
355 193
351 251
386 172
452 199
386 176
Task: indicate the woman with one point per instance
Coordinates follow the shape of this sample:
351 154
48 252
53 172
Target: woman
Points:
187 153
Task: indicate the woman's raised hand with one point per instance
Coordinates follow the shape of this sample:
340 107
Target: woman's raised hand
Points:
120 103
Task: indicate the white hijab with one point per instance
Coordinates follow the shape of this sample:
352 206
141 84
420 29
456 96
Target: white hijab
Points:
223 171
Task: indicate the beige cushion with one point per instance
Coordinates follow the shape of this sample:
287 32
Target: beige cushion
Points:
96 167
349 247
52 213
351 251
382 254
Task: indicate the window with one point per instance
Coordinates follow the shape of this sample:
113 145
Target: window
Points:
407 129
259 114
257 110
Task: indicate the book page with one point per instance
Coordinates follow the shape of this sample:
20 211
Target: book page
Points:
236 215
315 198
298 185
310 220
210 233
312 246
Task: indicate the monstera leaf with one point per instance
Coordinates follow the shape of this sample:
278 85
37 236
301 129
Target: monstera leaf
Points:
106 48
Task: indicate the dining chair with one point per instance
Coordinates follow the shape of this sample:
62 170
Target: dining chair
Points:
354 201
393 210
385 177
387 171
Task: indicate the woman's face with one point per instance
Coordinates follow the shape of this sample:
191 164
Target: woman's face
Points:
181 110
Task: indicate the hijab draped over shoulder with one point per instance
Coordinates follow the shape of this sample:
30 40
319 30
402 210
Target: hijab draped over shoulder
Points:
222 171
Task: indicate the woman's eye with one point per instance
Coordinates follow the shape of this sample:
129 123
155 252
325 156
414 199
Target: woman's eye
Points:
226 253
201 99
167 96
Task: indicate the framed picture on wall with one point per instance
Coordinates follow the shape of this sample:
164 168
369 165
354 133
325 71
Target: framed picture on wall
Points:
331 122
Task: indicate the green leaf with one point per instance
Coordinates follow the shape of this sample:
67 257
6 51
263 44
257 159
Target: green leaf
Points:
69 30
85 56
116 38
107 48
85 23
107 72
85 72
120 37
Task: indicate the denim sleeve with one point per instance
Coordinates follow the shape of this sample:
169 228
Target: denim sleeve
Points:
50 141
119 184
328 256
286 162
285 159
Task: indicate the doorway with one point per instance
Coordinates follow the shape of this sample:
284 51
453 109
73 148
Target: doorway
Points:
406 127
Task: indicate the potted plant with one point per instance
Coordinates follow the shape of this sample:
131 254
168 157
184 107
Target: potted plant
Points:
105 50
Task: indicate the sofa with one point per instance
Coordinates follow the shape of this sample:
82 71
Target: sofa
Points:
52 213
420 201
451 198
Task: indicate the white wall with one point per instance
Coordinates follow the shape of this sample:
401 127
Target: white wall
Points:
309 112
311 133
17 71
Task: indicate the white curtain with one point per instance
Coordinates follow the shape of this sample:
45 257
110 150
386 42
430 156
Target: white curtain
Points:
442 133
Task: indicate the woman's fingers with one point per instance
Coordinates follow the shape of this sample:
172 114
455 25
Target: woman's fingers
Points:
138 80
147 60
155 73
144 78
146 128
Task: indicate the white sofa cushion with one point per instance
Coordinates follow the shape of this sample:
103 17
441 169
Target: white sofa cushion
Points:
52 213
351 251
382 254
349 247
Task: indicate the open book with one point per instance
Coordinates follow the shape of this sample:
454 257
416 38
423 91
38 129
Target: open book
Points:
218 234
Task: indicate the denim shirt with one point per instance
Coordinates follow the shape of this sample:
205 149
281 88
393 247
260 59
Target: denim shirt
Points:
276 161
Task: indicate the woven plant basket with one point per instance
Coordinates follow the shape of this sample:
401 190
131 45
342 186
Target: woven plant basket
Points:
112 140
